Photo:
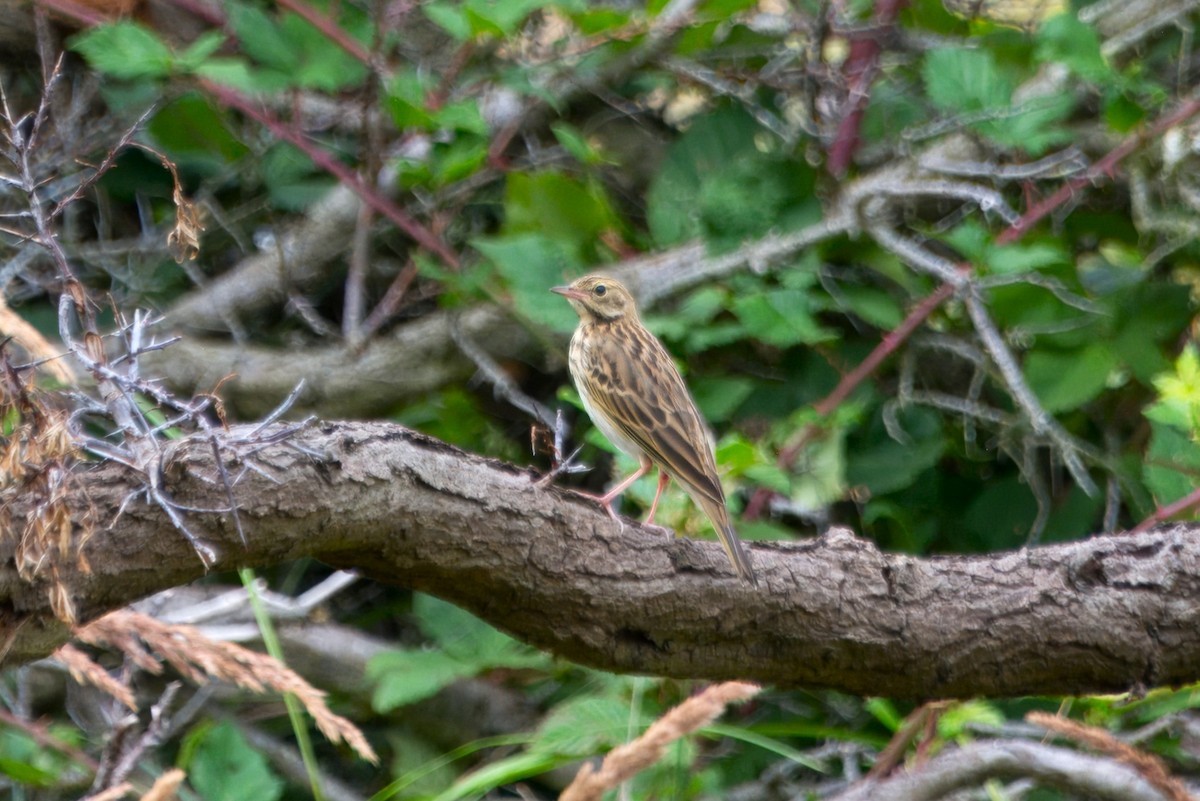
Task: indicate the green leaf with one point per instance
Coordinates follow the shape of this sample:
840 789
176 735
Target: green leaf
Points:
406 100
464 156
224 767
577 145
781 317
293 182
1034 126
530 265
962 80
955 722
237 74
199 50
25 773
493 775
882 464
471 640
261 38
711 143
821 477
1026 257
719 397
558 206
593 20
450 17
1122 114
405 676
502 17
583 726
1065 380
999 516
885 712
1172 464
1065 39
193 132
461 116
124 50
323 65
876 306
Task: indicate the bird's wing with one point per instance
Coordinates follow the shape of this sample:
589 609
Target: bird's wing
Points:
633 381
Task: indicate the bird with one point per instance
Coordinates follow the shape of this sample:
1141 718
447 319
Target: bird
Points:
634 394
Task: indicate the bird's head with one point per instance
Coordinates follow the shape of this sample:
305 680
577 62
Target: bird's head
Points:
597 298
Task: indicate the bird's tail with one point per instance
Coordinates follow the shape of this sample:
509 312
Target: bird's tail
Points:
738 557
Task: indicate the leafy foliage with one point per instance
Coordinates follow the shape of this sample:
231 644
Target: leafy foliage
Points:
543 140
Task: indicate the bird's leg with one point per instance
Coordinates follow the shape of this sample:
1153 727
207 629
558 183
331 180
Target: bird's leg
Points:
663 480
606 500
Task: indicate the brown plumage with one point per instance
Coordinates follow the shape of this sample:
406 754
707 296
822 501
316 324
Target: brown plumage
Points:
635 396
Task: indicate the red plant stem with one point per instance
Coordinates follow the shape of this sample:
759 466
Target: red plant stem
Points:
75 11
1104 167
862 64
323 159
334 32
891 341
47 740
1162 513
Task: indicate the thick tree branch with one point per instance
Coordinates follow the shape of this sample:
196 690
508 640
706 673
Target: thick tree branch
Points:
972 765
1107 614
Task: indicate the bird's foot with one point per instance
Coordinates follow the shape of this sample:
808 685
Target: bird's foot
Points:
606 503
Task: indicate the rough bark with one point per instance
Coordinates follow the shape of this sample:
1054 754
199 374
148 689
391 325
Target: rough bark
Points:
1104 615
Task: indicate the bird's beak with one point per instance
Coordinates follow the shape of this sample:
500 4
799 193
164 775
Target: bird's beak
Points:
570 293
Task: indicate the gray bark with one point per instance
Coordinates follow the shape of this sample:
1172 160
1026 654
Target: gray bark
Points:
1107 614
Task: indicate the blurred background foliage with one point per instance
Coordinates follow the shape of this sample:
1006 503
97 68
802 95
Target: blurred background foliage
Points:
540 140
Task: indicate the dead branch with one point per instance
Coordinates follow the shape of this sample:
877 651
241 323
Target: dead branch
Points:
1103 615
972 765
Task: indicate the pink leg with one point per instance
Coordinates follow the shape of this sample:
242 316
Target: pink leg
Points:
663 481
607 498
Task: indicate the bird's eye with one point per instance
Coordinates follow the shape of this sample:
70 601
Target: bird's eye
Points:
600 290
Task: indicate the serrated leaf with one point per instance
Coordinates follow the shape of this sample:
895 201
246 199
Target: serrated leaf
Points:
224 767
962 80
323 65
1065 380
204 46
530 264
559 206
406 676
1035 126
780 317
582 727
124 50
261 38
470 640
1065 39
712 142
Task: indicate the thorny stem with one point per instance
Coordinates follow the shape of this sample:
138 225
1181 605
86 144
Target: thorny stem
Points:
861 66
1016 230
385 206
